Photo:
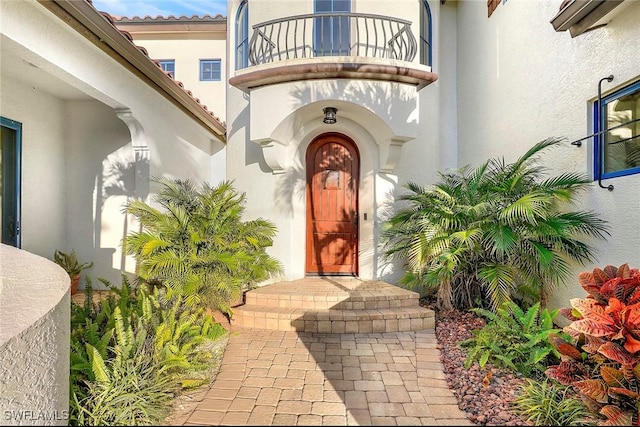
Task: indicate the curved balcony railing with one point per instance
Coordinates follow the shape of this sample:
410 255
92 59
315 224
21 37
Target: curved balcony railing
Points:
332 34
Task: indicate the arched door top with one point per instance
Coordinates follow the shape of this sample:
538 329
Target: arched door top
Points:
333 174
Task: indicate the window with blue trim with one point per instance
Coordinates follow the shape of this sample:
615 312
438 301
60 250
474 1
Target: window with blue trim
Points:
425 33
617 130
210 70
169 66
332 32
242 35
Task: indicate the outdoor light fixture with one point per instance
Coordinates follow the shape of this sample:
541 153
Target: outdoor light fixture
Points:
329 115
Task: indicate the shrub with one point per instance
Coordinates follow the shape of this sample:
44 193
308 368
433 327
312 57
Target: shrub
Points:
131 352
198 246
491 234
513 339
128 388
601 359
547 403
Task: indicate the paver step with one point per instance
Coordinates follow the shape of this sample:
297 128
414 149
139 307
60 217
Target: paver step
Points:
333 305
400 319
325 294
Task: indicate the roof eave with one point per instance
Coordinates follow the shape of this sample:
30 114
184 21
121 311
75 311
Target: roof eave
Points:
111 40
579 16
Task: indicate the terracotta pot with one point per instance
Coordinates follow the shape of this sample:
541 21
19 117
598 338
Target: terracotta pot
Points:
75 281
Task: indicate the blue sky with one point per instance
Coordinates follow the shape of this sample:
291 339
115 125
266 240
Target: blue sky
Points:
162 7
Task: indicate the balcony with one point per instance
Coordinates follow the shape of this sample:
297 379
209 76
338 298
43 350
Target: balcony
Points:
332 45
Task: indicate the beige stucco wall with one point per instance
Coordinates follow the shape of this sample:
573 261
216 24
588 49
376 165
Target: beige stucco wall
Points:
76 145
519 82
34 340
187 50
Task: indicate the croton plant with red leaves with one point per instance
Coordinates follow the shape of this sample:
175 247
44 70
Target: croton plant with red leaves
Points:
602 358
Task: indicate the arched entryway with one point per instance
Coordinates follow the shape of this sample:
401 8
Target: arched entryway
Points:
333 175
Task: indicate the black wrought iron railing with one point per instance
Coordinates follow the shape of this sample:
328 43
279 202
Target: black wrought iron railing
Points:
332 34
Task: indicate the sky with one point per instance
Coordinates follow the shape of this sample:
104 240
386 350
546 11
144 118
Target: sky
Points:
154 8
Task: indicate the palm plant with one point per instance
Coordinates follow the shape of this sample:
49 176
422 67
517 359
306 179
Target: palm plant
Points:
198 246
487 235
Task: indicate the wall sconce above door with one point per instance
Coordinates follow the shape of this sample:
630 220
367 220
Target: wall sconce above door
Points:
330 115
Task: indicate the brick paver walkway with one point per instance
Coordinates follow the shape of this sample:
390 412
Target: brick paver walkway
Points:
270 377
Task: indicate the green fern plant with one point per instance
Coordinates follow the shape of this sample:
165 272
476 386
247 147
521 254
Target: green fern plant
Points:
179 334
134 335
126 391
513 339
547 403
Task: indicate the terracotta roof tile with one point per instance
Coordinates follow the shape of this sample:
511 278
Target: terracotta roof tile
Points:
112 18
171 18
127 35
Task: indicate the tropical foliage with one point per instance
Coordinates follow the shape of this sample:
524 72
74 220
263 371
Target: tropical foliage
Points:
197 245
132 352
499 232
547 403
513 339
69 261
601 360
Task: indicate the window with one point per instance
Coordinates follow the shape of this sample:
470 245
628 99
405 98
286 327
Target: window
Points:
331 37
169 65
425 34
617 129
242 35
210 70
10 155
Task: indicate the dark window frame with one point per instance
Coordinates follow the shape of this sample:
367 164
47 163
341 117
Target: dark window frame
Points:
341 23
426 51
599 122
242 35
15 168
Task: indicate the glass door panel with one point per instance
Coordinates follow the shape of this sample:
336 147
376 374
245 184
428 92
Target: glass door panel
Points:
331 32
10 182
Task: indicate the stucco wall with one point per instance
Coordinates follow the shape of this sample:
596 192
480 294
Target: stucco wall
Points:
73 192
505 82
187 51
34 340
43 163
288 116
519 82
294 119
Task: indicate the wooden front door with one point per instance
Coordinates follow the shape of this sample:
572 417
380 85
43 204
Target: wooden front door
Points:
333 170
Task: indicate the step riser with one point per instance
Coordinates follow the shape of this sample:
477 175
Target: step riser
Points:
335 326
333 306
322 303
